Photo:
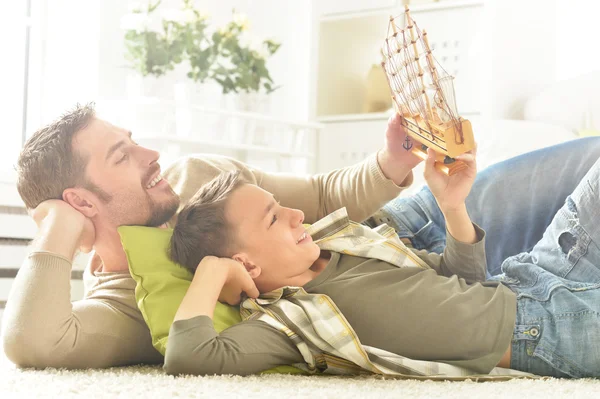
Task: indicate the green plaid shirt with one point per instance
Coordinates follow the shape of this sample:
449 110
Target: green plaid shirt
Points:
320 331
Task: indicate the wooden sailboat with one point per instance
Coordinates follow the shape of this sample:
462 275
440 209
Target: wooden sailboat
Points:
423 93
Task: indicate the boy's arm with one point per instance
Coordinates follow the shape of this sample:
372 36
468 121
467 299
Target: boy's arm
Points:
464 254
466 260
249 347
246 348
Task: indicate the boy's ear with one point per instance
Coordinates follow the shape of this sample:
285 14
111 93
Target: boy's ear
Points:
81 200
252 269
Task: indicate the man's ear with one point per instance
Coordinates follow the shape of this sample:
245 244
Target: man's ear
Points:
82 200
252 269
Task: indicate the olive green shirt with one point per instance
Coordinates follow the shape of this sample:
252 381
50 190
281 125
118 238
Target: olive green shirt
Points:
447 314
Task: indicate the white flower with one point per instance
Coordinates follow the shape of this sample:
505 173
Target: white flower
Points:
205 15
135 21
241 20
256 45
174 14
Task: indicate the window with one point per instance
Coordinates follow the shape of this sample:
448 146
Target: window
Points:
14 31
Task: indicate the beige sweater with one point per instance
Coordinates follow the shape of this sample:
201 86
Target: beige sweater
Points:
43 328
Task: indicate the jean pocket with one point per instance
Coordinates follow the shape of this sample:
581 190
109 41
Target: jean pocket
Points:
430 237
569 344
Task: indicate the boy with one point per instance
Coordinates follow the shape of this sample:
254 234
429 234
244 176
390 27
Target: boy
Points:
536 321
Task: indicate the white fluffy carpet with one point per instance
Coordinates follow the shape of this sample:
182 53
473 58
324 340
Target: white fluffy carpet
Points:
151 382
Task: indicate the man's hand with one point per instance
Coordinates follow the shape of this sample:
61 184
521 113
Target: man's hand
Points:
62 229
395 161
451 191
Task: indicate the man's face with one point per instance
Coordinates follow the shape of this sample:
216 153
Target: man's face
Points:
271 236
124 176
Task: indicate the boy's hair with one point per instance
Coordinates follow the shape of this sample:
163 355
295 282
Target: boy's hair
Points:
47 164
202 229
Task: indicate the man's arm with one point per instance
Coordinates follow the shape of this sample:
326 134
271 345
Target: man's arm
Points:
362 188
42 328
246 348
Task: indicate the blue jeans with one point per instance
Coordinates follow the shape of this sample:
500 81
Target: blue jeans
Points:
543 208
557 331
513 201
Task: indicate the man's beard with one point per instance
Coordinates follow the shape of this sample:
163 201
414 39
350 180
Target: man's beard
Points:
161 214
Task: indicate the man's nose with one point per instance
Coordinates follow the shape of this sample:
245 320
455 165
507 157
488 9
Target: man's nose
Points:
147 156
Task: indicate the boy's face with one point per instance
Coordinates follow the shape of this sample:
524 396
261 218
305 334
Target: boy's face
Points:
271 240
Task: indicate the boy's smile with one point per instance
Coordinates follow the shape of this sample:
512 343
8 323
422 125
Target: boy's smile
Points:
270 239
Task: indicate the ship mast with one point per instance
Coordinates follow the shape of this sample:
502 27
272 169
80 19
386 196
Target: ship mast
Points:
411 28
434 75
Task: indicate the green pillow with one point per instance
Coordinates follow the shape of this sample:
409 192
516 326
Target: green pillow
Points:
161 285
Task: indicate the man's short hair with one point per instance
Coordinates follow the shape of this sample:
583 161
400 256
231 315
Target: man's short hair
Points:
202 229
47 164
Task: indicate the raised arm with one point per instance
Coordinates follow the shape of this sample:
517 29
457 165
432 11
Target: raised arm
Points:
42 328
465 260
464 254
362 188
246 348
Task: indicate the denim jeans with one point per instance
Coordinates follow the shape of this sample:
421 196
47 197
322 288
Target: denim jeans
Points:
557 331
513 201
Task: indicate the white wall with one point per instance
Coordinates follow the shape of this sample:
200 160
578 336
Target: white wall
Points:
578 49
521 53
535 43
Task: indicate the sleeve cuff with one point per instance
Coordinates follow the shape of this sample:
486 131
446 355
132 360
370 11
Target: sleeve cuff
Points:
387 183
49 260
463 246
181 326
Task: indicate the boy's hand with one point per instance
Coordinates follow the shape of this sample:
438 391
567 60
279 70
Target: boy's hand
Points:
238 281
221 279
235 279
451 191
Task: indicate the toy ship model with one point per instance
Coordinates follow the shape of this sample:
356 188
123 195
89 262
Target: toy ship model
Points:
423 93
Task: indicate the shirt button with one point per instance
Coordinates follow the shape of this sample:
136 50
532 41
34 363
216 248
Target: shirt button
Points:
534 332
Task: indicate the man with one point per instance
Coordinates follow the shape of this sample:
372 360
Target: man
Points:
82 177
